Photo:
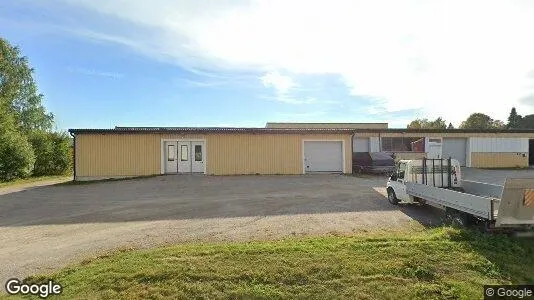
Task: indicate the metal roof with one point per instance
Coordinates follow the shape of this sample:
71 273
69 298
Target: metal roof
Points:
211 130
288 130
406 130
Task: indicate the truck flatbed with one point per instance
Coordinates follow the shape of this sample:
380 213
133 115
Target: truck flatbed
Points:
508 205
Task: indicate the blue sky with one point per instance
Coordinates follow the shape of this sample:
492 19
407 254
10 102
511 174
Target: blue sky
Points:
242 63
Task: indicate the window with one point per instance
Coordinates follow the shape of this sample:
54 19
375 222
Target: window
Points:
401 171
170 152
184 153
403 144
438 141
198 153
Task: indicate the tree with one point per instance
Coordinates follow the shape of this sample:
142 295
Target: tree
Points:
16 155
514 120
438 123
27 144
527 122
54 156
18 91
450 126
481 121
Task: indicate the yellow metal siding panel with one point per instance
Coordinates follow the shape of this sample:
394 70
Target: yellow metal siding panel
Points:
117 154
263 153
101 155
498 160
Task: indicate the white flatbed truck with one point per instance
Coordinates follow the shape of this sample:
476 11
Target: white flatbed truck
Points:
438 182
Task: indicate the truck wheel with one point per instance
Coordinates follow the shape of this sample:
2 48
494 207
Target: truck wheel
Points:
392 198
458 218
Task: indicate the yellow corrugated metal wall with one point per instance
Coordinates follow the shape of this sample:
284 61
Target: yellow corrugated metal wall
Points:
498 160
108 155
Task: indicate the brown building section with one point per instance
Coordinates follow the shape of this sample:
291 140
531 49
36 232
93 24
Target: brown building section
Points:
123 154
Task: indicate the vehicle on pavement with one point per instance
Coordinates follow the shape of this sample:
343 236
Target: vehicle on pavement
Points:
439 182
373 162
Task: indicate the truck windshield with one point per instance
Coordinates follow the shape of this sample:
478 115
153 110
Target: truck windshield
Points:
401 170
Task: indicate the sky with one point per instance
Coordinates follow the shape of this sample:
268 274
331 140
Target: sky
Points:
106 63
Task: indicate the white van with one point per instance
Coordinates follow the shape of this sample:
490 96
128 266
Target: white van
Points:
433 172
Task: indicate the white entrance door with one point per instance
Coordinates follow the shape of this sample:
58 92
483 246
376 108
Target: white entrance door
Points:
171 160
434 148
197 157
191 157
184 157
323 156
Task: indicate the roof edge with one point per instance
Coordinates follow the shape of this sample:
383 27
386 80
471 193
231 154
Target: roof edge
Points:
287 130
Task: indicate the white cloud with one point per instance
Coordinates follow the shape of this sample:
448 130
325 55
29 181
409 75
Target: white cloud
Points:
448 58
281 83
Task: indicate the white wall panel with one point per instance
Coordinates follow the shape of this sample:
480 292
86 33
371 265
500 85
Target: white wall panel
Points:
498 144
360 145
375 144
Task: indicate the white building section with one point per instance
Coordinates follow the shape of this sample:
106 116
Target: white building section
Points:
374 144
360 145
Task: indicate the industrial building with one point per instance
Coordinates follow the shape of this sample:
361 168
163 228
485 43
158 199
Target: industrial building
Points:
284 148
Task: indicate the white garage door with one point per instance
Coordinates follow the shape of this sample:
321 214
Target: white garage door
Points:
323 156
455 148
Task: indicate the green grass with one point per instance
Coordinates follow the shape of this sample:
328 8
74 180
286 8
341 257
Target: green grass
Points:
32 180
440 263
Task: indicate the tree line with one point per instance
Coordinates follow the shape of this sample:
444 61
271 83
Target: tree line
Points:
28 144
478 121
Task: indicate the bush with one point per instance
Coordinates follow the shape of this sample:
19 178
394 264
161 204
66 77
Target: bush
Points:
63 153
16 156
53 153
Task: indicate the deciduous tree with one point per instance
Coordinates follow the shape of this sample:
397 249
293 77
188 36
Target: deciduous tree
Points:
481 121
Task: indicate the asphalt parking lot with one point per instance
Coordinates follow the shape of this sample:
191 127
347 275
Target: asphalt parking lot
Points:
496 176
45 228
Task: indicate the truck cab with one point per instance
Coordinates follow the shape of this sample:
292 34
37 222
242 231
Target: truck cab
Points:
443 173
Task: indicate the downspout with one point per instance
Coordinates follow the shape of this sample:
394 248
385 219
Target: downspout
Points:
379 142
352 151
73 155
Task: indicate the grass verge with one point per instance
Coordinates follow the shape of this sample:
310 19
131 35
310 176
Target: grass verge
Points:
30 180
440 263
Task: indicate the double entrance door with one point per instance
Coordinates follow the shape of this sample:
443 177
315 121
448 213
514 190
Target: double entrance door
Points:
185 157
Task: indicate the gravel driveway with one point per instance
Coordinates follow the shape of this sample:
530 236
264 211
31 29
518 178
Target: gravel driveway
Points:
45 228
